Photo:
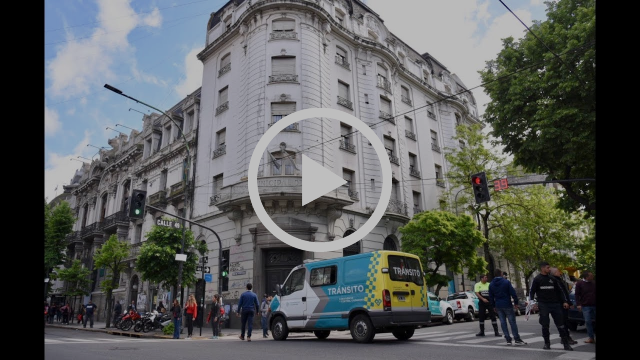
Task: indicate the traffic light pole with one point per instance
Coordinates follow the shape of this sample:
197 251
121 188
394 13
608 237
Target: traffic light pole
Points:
204 227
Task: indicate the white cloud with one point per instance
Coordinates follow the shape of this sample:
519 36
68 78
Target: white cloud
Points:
60 168
537 2
51 121
192 79
83 64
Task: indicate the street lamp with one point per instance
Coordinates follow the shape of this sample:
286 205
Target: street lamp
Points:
186 178
108 128
82 157
126 126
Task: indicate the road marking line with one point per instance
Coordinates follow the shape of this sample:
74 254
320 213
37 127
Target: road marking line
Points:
517 348
475 341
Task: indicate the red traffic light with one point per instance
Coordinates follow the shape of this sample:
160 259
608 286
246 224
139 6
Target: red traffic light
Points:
476 180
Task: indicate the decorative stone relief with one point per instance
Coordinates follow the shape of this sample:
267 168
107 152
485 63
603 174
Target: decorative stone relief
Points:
332 215
236 216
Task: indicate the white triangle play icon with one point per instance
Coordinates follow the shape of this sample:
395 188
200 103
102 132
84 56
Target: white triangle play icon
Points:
317 181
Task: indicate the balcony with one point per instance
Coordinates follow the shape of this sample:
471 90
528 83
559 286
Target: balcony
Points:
406 100
440 182
283 78
292 127
72 237
225 69
284 35
347 146
90 230
431 115
353 195
342 62
220 150
134 251
417 210
394 159
410 134
120 218
159 198
387 116
222 108
384 84
398 207
435 147
344 102
414 172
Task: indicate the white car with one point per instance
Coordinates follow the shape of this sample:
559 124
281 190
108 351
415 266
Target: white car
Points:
465 305
440 309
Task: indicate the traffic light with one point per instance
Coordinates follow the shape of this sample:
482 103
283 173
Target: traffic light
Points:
137 203
224 269
480 187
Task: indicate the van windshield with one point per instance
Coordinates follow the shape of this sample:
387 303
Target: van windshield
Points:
403 268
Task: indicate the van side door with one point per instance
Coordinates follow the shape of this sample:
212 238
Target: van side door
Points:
293 299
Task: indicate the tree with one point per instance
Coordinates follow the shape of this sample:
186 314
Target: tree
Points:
586 250
76 279
536 231
156 261
543 103
442 238
112 256
58 224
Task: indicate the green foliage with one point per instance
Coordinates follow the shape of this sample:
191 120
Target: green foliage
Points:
168 330
156 261
543 109
111 256
58 223
586 250
439 238
76 279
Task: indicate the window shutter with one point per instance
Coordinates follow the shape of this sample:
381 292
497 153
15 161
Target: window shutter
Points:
223 96
283 108
405 91
283 25
283 65
389 143
343 90
385 105
408 124
341 52
222 137
225 61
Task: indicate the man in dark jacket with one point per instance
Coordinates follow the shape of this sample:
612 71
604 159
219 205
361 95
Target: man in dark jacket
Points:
500 294
117 310
586 301
551 300
557 274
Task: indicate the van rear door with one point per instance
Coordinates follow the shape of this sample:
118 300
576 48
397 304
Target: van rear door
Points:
408 294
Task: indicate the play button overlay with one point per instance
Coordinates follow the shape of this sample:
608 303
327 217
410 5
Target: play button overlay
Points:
316 180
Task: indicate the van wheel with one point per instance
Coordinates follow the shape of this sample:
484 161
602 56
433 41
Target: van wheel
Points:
448 319
403 334
279 329
322 334
361 328
470 315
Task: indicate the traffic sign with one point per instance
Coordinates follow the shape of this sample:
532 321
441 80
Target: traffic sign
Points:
166 223
208 278
207 269
206 259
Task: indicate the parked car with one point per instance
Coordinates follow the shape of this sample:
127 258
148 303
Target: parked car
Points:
440 309
576 317
465 305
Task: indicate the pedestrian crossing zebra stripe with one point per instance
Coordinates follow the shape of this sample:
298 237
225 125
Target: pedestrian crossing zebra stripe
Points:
96 341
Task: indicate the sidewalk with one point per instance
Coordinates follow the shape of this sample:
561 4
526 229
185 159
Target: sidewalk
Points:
225 334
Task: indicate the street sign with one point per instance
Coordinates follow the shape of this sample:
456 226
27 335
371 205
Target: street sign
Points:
207 269
208 277
206 260
166 223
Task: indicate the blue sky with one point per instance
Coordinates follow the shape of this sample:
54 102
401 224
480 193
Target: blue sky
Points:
148 48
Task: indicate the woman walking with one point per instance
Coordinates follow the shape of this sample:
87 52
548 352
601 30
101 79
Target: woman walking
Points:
214 316
191 311
176 314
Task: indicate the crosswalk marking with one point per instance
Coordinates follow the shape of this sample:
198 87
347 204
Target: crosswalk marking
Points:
497 339
540 338
96 341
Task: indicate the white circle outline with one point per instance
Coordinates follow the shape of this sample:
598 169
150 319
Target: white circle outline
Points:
323 246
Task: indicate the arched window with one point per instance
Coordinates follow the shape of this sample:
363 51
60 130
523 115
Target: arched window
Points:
353 249
389 244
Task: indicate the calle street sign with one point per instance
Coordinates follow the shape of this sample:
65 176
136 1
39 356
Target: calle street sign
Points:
166 223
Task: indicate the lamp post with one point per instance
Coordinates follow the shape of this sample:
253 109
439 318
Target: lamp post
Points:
186 179
46 285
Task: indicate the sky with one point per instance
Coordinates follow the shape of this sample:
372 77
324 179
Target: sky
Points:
148 48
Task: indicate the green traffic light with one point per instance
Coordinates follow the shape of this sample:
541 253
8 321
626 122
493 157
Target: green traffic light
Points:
137 211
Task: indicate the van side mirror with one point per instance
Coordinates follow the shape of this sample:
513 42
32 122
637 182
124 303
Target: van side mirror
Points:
278 290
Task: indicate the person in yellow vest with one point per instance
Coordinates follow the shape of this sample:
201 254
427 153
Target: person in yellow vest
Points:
482 291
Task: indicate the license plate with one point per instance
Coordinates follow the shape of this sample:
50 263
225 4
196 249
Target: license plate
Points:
401 298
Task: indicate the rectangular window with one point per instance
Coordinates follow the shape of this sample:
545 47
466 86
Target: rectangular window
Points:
167 135
323 276
221 137
343 90
280 110
223 95
364 70
341 55
408 122
226 60
178 129
138 233
394 190
159 142
405 92
434 138
163 180
189 123
348 175
147 148
366 98
385 105
416 201
217 184
404 268
283 25
390 145
373 184
283 65
345 132
438 173
413 160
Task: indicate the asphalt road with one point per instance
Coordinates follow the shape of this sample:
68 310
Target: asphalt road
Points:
446 342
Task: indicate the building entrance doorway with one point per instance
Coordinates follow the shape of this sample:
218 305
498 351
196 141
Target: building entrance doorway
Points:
278 264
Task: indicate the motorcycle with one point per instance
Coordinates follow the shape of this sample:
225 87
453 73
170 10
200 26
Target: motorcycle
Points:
129 320
156 321
117 320
139 324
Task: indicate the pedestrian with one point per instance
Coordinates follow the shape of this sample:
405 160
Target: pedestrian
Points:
484 305
59 312
88 314
117 310
557 274
501 294
81 313
214 316
247 307
190 313
161 309
551 300
132 306
46 312
265 310
176 314
586 301
65 314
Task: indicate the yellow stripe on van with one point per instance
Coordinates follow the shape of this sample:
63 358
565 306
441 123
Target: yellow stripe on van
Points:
373 299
